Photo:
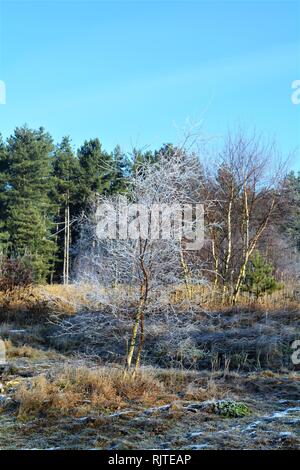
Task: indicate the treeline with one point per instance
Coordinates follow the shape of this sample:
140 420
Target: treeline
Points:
45 189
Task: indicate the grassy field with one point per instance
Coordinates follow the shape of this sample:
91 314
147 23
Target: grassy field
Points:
219 377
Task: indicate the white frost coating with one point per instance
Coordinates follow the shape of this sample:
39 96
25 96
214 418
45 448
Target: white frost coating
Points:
2 352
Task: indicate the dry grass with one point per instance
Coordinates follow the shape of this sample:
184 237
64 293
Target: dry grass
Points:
67 299
206 296
45 299
212 391
70 299
78 390
26 351
191 385
21 351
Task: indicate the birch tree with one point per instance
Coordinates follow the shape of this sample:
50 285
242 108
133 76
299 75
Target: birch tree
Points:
247 188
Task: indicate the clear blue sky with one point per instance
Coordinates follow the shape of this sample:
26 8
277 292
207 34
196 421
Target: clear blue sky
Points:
132 72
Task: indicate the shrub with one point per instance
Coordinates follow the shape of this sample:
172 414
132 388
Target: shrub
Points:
15 273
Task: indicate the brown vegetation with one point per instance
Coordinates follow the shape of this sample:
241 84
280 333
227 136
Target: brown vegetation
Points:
80 390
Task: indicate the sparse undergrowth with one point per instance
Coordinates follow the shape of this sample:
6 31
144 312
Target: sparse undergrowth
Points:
69 402
13 351
198 368
79 390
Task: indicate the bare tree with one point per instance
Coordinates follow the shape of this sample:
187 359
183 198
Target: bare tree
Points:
248 195
133 274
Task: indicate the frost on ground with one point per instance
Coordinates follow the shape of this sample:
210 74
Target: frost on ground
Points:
222 388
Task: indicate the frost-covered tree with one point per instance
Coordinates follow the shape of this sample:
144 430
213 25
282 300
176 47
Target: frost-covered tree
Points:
132 269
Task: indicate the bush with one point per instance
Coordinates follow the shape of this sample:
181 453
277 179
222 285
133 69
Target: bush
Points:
15 273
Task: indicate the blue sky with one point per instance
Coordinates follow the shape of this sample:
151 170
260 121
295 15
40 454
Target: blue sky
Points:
132 73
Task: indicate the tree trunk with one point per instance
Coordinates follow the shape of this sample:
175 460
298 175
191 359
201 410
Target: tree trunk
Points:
187 275
246 220
133 340
251 246
66 269
68 245
229 243
216 263
140 347
139 318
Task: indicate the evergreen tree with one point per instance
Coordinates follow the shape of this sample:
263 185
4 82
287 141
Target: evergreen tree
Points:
77 181
167 151
96 170
259 278
139 158
27 205
3 198
120 171
292 225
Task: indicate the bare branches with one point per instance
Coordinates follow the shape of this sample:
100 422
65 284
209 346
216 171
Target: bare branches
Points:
131 275
247 189
134 277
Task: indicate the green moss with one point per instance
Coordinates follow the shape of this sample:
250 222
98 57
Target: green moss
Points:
228 408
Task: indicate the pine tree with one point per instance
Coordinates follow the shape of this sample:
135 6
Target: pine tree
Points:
120 171
3 198
139 157
96 170
28 207
292 225
259 277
